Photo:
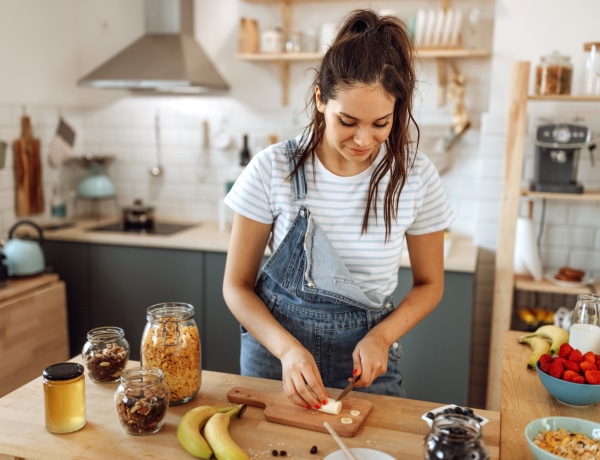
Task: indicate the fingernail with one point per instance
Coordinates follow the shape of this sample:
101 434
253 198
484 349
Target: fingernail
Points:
308 407
317 406
354 371
324 401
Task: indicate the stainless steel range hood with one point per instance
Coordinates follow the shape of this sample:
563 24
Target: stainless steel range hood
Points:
166 59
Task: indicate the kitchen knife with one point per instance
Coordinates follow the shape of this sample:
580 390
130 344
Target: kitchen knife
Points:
348 388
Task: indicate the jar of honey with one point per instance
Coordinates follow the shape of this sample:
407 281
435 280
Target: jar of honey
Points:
64 397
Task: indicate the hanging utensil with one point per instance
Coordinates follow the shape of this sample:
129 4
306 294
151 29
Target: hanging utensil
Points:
156 170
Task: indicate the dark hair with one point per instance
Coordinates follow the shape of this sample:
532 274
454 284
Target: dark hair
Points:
370 49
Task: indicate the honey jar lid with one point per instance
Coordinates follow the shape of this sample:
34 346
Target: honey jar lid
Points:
63 371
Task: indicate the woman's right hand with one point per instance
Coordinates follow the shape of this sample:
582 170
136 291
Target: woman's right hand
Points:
302 381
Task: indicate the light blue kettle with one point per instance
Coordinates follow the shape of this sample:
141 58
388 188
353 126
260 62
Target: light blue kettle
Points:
24 257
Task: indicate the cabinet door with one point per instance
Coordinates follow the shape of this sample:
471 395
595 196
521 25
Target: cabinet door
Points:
223 334
71 262
126 280
437 351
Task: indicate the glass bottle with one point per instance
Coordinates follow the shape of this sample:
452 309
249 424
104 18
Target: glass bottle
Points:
553 75
591 84
455 436
584 333
64 397
142 400
171 342
105 354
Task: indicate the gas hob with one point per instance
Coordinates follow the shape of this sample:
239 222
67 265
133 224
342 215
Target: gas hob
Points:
157 228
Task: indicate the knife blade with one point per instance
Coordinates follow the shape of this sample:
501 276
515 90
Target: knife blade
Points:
348 388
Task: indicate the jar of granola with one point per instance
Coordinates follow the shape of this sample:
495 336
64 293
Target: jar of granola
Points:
553 75
105 354
142 400
171 342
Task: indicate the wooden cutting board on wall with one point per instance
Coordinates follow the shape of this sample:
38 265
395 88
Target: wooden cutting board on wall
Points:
29 191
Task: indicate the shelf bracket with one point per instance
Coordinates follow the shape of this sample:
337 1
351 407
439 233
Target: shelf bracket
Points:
284 75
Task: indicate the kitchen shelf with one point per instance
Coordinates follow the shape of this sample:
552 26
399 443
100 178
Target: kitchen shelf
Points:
505 281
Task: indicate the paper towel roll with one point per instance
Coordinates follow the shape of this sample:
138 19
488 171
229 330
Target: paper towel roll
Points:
526 258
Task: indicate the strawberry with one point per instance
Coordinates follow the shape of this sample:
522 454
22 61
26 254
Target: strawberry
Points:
546 359
590 357
557 369
578 379
565 350
592 377
588 366
576 356
570 376
571 365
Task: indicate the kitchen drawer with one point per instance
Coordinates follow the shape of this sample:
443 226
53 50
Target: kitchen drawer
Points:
33 332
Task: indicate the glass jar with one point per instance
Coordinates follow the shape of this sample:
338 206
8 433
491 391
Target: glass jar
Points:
591 84
171 342
105 354
142 400
64 397
553 75
584 333
455 436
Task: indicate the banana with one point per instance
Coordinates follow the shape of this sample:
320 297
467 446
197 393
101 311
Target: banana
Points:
527 316
539 346
188 430
216 432
555 334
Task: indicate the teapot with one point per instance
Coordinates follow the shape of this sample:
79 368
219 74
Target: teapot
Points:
24 256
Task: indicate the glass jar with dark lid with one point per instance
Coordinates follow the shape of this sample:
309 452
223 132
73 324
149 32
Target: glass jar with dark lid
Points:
64 397
455 436
105 354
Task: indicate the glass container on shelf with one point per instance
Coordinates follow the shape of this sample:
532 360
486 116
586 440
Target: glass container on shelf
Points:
591 83
553 75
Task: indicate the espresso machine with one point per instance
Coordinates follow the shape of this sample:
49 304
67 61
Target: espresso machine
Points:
557 150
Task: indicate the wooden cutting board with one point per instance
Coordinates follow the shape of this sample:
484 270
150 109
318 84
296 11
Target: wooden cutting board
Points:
279 409
28 172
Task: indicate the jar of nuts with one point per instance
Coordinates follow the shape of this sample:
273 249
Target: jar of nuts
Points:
553 75
171 342
142 400
105 354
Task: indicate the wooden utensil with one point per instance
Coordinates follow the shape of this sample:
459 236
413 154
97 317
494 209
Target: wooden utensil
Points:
341 443
28 172
279 409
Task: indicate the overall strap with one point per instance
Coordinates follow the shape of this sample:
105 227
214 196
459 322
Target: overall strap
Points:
298 179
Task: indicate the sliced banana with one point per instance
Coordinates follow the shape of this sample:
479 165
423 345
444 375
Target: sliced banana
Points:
331 407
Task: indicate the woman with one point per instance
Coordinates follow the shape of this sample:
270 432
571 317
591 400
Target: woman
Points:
335 205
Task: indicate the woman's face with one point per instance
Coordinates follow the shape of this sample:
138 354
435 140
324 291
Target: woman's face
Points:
357 122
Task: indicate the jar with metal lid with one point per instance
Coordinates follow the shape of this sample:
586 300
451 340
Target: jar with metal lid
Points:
142 400
553 75
64 397
171 342
105 354
591 83
455 436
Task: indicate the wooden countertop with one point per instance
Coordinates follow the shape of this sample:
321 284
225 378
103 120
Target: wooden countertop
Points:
206 236
525 399
18 286
394 425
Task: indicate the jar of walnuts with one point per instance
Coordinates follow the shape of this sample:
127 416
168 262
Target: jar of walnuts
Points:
105 354
553 75
171 342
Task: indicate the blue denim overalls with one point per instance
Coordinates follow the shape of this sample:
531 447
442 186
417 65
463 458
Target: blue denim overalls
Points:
309 290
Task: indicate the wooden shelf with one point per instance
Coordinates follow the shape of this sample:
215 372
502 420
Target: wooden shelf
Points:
526 283
566 98
587 195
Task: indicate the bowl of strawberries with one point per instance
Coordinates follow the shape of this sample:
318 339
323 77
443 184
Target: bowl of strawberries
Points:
572 377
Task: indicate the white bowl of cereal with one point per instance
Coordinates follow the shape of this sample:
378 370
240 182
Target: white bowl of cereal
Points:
546 437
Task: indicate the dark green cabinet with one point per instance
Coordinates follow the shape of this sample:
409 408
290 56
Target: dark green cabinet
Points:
437 352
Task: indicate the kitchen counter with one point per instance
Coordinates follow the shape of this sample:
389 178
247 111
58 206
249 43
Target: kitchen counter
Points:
394 425
525 399
206 236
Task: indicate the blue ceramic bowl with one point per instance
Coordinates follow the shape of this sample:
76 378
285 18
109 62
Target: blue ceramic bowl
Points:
574 394
586 427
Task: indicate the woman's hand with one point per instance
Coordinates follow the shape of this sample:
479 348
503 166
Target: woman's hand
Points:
370 358
302 381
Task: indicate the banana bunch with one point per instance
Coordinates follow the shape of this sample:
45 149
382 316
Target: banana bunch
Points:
535 316
545 339
204 431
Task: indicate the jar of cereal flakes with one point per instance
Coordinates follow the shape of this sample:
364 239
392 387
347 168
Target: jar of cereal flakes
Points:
171 342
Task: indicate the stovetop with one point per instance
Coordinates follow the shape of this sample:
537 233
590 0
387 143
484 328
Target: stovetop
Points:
157 228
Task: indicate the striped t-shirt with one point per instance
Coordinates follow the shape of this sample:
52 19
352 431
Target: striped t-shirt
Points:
337 204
